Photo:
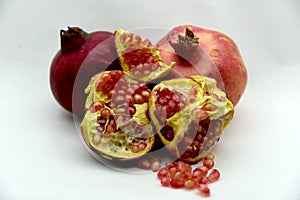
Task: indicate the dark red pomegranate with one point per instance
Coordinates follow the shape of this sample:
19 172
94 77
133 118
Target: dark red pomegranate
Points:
116 124
88 52
190 115
199 51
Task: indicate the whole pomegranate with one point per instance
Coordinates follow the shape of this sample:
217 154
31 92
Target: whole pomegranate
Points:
189 115
88 52
199 51
116 124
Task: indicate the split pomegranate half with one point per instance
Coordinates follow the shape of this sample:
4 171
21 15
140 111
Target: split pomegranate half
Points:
189 115
116 124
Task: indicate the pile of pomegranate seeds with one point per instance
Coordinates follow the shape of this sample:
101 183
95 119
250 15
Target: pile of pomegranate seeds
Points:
181 175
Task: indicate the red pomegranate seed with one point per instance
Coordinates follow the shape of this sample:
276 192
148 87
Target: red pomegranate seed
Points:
155 166
165 181
172 171
97 139
186 176
172 104
189 184
131 110
177 176
144 164
203 190
200 171
138 99
105 113
213 176
135 148
97 106
164 172
162 101
209 156
106 77
145 94
142 146
177 184
208 163
100 84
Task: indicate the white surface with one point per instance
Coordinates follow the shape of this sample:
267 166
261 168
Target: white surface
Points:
41 156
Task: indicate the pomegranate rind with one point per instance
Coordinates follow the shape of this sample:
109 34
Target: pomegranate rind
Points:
118 144
127 43
182 119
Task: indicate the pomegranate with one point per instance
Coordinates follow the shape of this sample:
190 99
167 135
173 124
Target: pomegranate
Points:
199 51
138 58
116 124
189 115
76 45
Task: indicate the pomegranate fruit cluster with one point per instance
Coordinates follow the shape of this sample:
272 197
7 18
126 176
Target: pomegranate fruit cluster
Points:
123 115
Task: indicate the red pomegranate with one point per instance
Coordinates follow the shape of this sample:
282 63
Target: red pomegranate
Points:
199 51
88 52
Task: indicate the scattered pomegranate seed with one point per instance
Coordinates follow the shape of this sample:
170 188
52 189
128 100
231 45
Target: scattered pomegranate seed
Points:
162 173
177 184
200 171
180 175
203 190
213 176
209 156
165 181
155 166
144 164
189 184
208 163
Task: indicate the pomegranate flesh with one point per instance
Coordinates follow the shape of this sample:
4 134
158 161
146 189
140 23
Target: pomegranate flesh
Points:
199 51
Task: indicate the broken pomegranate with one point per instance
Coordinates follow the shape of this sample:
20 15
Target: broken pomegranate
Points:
88 52
138 58
116 124
199 51
189 115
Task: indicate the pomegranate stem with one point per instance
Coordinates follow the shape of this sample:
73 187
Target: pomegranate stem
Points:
187 46
72 39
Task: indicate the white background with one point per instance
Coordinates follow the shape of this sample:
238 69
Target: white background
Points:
41 155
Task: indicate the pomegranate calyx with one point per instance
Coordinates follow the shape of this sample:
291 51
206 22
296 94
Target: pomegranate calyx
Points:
72 39
187 46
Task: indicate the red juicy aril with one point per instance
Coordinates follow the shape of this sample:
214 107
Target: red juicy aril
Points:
199 51
116 124
189 115
88 53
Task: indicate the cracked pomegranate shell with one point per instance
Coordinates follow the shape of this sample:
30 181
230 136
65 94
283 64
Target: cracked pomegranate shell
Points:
116 123
138 58
189 115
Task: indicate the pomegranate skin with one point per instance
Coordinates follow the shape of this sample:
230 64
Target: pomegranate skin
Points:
79 51
215 49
